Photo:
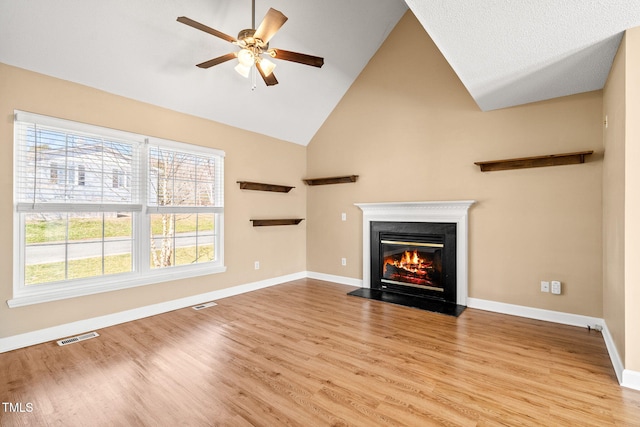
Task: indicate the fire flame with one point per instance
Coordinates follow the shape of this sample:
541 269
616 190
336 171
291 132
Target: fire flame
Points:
409 261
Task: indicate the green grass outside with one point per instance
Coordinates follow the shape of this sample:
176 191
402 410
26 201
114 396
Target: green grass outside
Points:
91 228
184 223
92 267
78 268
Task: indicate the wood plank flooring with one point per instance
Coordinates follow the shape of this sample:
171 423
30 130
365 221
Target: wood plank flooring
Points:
306 354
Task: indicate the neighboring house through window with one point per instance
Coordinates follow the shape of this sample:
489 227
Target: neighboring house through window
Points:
135 211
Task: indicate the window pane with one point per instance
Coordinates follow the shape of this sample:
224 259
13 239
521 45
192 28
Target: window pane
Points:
118 225
84 260
162 240
186 223
118 256
186 250
45 248
197 245
205 223
45 228
206 248
44 273
85 226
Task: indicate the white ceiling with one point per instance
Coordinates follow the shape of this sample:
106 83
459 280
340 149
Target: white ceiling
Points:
512 52
506 52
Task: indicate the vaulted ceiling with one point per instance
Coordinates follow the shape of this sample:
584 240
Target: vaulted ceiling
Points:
505 52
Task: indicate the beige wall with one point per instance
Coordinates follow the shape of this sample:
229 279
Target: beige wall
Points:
632 201
621 201
613 201
249 156
410 130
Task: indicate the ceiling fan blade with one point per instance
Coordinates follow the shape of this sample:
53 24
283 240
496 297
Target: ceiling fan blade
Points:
202 27
269 80
219 60
273 20
300 58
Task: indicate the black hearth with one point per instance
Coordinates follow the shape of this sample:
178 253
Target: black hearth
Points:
414 264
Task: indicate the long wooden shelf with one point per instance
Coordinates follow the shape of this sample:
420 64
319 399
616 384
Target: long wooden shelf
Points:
331 180
270 222
259 186
534 162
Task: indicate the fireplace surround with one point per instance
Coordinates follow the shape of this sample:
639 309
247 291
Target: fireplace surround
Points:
424 234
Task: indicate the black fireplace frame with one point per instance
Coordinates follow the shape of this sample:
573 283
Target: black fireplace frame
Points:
424 232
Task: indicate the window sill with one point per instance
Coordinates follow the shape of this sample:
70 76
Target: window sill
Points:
115 283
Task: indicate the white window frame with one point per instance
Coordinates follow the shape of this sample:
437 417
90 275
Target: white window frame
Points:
142 273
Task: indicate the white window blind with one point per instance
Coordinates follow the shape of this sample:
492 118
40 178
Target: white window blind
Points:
49 158
181 180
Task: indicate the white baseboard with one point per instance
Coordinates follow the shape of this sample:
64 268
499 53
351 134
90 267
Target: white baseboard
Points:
630 379
534 313
616 361
56 332
335 279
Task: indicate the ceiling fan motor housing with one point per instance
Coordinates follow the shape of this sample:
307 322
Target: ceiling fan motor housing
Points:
247 40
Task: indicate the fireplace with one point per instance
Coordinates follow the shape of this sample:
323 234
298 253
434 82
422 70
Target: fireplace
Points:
414 258
415 253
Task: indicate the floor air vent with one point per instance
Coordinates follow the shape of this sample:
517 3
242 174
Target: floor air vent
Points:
79 338
205 305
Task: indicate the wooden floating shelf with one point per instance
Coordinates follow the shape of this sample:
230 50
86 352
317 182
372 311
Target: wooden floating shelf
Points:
534 162
331 180
247 185
270 222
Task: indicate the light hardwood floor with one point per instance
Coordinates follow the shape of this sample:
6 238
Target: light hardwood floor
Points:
306 354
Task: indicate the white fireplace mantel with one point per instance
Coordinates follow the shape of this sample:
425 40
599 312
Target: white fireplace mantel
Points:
449 212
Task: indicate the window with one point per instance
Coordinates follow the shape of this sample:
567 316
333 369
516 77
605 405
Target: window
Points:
136 211
116 179
53 173
81 175
181 189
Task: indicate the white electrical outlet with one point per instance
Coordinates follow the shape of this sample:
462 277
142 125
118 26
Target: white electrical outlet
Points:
256 265
344 261
344 216
544 286
556 287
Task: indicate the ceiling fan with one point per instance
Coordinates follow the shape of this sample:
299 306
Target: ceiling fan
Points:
254 46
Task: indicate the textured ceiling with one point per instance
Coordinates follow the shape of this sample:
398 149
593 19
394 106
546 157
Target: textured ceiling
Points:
512 52
506 52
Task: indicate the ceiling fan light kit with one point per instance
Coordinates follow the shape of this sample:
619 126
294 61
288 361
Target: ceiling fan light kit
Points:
254 47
